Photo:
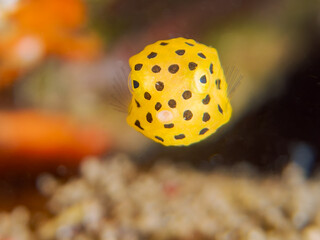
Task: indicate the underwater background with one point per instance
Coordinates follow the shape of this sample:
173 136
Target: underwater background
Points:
72 168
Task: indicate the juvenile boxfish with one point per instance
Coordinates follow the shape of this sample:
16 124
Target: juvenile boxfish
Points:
179 92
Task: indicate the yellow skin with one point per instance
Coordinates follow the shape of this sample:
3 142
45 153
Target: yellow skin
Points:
179 92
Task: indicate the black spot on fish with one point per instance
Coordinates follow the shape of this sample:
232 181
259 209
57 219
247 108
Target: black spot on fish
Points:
159 86
203 131
180 136
173 68
159 138
138 66
137 123
149 117
192 66
180 52
187 115
152 55
202 55
218 82
156 69
158 106
186 94
220 109
211 68
169 125
138 104
147 96
206 100
206 117
190 44
172 103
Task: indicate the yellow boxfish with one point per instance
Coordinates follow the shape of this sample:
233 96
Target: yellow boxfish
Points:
179 92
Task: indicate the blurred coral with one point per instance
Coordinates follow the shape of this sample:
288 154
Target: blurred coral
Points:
36 29
31 139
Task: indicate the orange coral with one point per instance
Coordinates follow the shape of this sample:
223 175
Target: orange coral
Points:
38 28
31 138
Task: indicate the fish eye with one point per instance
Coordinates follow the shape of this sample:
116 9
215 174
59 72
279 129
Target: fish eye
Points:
135 84
201 81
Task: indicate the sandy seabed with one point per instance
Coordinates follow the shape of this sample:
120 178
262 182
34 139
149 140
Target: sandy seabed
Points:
114 199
